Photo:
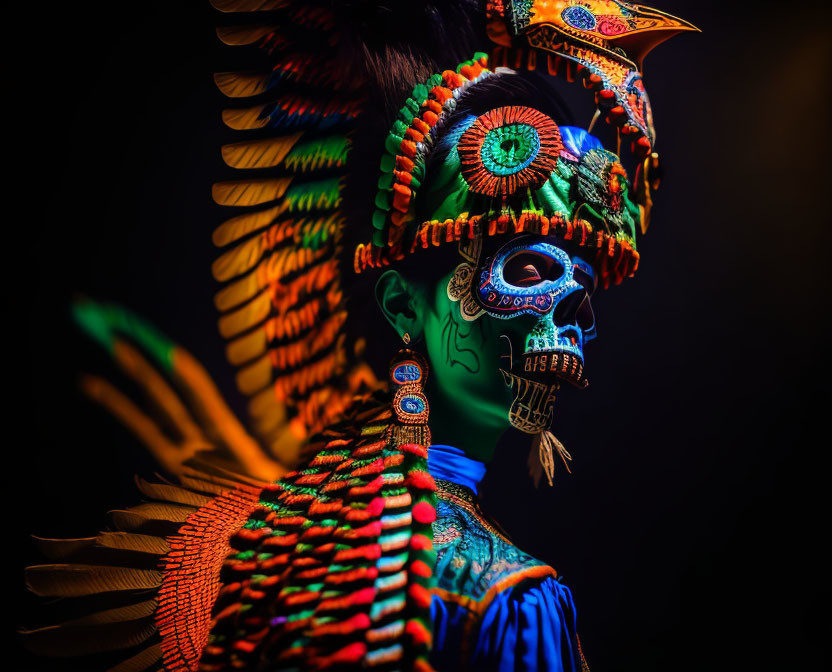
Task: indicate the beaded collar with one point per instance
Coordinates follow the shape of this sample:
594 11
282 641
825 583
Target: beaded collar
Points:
465 499
455 493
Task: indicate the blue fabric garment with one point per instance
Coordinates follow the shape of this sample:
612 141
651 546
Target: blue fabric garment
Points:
578 141
529 624
530 629
451 464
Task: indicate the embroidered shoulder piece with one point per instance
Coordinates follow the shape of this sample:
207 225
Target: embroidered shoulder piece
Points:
475 561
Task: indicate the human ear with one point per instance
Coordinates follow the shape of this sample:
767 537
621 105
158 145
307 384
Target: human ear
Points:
398 302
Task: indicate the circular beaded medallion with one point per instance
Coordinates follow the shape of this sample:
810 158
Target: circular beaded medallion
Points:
508 149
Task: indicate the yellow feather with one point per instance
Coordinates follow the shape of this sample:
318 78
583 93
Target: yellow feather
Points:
63 549
237 36
131 612
255 377
259 153
241 84
250 192
237 292
242 225
268 423
267 414
210 473
135 517
159 511
246 317
202 485
170 493
78 580
265 404
141 661
242 258
244 118
286 446
125 541
246 347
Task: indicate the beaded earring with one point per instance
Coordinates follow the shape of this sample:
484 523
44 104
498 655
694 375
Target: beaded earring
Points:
408 374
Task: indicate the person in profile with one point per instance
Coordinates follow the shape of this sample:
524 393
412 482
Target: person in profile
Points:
412 166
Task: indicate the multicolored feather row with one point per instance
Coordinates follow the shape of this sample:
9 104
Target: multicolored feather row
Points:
407 145
334 566
282 306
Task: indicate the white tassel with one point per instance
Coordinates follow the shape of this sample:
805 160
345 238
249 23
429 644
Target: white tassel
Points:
541 457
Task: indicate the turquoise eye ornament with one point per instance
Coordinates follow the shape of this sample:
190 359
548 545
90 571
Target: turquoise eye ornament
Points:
509 149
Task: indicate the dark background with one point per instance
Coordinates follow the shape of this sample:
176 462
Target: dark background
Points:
692 531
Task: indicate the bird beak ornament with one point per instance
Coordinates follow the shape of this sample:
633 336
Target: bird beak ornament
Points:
603 44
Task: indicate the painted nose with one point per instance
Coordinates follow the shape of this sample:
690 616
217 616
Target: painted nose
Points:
576 310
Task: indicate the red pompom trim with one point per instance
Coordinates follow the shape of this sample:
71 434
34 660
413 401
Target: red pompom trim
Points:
414 449
424 513
420 595
418 633
419 568
419 542
421 480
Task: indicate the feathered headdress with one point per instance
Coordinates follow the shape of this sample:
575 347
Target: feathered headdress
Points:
319 137
307 122
343 135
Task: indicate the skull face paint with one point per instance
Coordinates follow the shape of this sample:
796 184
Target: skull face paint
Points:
543 276
533 276
529 276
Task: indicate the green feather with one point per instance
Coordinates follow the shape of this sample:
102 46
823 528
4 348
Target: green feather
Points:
310 196
328 152
104 322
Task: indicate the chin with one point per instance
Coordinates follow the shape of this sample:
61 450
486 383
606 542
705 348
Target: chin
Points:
534 380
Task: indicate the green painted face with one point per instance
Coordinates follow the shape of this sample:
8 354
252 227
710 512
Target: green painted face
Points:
469 399
506 327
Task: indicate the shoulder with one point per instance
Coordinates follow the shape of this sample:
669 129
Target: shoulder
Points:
521 611
476 562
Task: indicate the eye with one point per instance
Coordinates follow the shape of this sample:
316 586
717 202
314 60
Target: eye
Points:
527 269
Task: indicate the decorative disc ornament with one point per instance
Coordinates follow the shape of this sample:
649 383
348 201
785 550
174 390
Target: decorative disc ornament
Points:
508 149
459 290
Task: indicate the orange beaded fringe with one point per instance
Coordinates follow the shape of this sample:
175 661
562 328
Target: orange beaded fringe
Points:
613 258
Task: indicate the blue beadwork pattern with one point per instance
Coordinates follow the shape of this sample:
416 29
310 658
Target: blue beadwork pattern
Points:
407 372
579 17
412 404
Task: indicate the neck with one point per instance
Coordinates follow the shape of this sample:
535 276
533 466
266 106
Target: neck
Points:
454 422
